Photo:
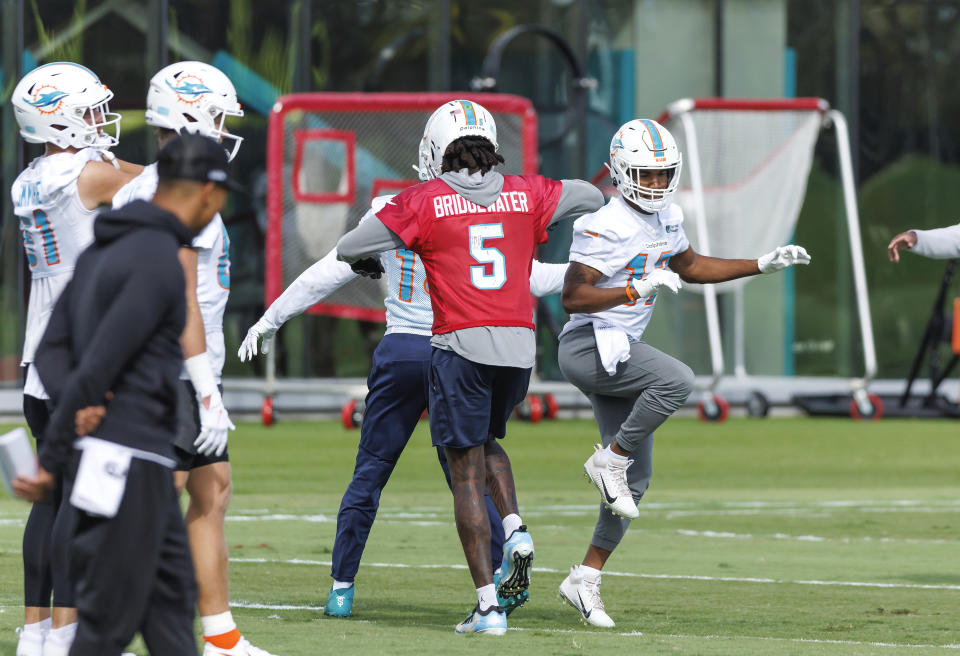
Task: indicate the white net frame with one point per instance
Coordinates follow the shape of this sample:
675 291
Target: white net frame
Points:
745 172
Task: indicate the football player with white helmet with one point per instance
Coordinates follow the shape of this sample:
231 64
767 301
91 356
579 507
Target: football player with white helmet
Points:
483 346
621 256
195 97
397 384
65 107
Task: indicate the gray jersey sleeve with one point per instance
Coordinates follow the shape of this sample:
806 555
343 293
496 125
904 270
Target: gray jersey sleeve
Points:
939 243
577 197
368 239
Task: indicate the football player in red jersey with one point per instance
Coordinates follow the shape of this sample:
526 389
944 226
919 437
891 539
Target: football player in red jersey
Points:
476 231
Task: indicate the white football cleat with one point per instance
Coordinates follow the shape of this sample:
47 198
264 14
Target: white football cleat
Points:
584 595
30 643
52 648
611 480
242 648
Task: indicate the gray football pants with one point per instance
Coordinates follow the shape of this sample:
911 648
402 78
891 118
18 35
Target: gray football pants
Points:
629 406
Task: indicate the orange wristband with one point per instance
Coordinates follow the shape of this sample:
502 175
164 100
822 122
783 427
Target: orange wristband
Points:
630 293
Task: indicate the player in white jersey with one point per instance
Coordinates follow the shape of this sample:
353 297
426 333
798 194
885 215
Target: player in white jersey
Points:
196 97
620 257
397 393
64 106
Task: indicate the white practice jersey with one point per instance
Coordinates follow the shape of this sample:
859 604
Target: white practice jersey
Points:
55 228
408 296
622 244
213 267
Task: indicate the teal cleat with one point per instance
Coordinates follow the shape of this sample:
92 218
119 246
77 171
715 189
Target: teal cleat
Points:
510 604
492 621
340 602
514 582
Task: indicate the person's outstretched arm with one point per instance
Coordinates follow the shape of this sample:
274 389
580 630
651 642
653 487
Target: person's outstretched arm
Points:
312 286
693 267
939 243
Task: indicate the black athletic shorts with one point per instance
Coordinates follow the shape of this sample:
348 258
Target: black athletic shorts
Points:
188 428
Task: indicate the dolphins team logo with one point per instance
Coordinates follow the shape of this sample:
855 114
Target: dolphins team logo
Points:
47 99
616 144
189 89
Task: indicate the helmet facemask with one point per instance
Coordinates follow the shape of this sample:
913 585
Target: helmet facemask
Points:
195 97
626 178
230 142
94 133
642 146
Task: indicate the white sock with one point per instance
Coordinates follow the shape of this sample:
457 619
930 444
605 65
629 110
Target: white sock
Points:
214 625
511 523
63 636
37 627
589 573
610 454
487 596
341 585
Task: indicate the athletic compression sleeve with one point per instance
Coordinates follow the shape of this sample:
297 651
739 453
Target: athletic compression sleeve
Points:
577 197
370 238
546 279
312 286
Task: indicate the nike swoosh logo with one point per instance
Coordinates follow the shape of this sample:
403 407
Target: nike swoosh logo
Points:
603 488
583 609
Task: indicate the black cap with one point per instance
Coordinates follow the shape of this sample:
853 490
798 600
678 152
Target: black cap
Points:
197 158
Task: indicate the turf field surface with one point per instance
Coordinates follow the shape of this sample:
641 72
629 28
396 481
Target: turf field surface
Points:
785 536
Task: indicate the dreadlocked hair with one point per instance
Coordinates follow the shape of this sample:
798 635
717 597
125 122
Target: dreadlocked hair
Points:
471 153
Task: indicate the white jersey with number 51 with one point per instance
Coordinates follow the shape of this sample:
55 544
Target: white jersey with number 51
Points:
55 228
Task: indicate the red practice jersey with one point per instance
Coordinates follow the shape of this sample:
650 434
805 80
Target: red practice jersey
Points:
477 258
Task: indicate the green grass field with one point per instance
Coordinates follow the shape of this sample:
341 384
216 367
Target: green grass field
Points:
786 536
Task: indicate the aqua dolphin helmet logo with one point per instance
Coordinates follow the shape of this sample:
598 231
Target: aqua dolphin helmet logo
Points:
189 88
616 145
46 99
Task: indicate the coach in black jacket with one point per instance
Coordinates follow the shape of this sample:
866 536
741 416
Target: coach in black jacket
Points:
113 340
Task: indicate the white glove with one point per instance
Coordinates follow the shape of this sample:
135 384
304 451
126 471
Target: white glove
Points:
783 257
657 278
214 425
258 331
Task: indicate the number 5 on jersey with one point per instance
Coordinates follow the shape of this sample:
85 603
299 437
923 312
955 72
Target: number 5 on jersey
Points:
486 255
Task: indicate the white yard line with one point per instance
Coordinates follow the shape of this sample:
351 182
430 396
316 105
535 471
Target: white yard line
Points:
261 606
421 512
803 538
419 519
677 577
680 636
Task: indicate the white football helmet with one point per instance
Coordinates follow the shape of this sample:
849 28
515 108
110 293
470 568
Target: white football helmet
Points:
196 97
452 120
643 144
67 105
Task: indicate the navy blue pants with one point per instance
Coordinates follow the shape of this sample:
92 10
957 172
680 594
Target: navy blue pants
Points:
397 396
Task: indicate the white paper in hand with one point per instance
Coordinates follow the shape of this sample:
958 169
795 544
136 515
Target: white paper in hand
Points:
16 457
101 477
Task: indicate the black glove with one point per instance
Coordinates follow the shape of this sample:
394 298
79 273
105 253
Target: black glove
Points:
368 267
